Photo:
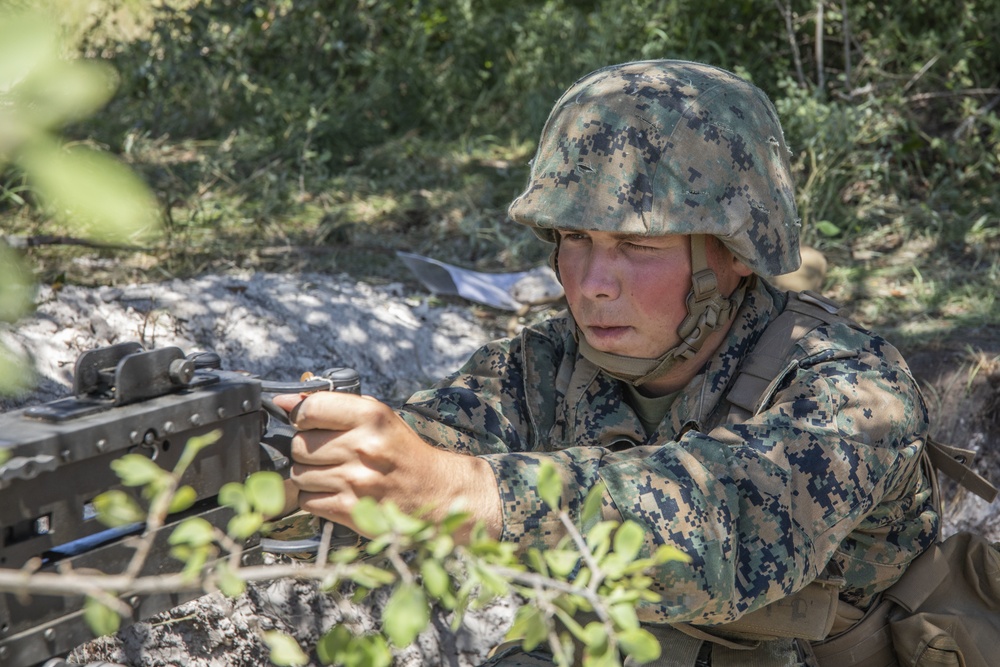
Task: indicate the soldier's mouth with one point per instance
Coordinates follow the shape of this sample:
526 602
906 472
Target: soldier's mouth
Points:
603 336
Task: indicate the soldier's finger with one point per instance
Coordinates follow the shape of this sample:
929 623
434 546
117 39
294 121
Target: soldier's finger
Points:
334 506
317 479
319 447
289 402
330 410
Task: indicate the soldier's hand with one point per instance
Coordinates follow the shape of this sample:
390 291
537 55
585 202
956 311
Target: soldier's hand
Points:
349 447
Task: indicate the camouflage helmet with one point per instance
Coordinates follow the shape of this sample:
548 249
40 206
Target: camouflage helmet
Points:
667 147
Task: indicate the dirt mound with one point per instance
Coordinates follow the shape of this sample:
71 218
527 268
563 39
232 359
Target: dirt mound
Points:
960 378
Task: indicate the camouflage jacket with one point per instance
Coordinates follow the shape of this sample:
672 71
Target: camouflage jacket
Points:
828 469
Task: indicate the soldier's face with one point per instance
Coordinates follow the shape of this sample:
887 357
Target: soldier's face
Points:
628 293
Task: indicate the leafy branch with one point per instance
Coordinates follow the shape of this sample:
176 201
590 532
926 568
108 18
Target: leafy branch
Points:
581 596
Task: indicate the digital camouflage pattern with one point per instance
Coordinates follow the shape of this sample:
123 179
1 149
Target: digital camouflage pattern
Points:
828 469
667 147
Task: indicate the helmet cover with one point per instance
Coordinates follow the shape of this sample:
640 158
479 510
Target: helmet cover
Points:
667 147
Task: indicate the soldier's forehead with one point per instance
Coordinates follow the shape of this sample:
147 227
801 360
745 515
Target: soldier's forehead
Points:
622 236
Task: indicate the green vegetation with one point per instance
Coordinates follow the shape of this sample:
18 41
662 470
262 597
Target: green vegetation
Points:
581 596
295 134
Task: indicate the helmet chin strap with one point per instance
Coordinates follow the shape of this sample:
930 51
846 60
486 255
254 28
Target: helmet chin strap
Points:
707 311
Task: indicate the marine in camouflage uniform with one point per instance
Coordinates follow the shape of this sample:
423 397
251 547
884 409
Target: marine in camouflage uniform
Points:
827 470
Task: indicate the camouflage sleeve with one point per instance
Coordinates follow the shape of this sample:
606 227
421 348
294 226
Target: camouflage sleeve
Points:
479 409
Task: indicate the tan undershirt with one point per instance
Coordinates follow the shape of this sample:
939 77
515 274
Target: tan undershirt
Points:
650 410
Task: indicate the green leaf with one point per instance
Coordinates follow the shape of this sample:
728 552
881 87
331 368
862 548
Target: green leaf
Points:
232 494
93 189
116 508
405 615
629 539
595 638
16 373
193 447
340 646
374 652
493 585
266 492
549 484
639 644
243 526
561 562
453 522
137 470
436 579
441 546
599 538
571 604
332 646
194 532
16 289
101 619
537 562
401 522
593 505
529 626
624 616
827 228
344 555
667 553
183 499
285 651
66 91
228 581
181 552
378 545
370 518
195 562
613 565
571 623
370 576
583 577
27 42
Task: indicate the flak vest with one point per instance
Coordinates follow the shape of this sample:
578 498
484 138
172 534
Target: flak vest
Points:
911 624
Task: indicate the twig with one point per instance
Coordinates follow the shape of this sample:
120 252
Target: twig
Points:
820 74
967 123
392 552
533 579
323 553
786 12
923 70
846 29
21 242
964 92
84 583
585 552
158 511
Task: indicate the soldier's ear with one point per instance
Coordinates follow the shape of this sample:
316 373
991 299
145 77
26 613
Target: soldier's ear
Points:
727 259
739 267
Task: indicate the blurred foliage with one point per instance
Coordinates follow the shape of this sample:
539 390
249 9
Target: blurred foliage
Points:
365 126
41 91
